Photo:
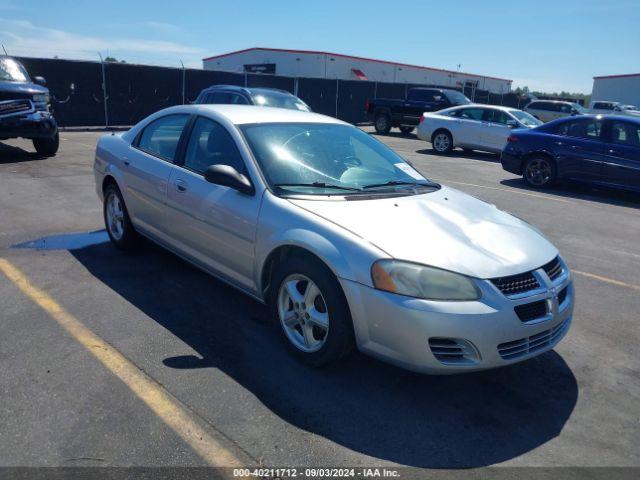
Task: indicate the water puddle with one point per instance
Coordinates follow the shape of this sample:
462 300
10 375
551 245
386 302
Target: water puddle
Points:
66 241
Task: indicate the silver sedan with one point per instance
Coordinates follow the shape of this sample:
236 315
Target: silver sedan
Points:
346 242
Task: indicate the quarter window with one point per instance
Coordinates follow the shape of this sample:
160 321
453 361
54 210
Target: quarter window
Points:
161 137
589 129
211 144
625 133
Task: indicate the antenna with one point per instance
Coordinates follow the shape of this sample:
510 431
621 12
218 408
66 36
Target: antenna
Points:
5 50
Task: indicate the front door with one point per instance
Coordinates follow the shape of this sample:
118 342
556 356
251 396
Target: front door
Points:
212 224
622 154
496 131
146 170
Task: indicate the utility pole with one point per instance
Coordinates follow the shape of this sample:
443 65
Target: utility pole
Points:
183 82
104 91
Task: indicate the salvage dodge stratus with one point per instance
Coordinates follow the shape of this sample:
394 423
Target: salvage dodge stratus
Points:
344 240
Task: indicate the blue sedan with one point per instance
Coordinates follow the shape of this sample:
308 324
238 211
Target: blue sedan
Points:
598 149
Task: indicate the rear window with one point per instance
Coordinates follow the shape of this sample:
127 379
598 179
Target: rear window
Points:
539 106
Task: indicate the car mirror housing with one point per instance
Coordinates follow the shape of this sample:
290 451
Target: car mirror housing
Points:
228 176
512 124
39 80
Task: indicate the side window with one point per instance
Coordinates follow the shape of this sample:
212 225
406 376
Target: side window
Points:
496 116
625 133
565 108
211 144
421 95
218 98
588 129
472 113
161 137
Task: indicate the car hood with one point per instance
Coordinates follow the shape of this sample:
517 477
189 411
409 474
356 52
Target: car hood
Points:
16 90
446 229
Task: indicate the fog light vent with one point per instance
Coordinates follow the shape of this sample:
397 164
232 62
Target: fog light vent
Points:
453 351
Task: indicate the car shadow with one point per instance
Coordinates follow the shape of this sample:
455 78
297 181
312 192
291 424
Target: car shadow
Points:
583 191
11 154
473 155
362 404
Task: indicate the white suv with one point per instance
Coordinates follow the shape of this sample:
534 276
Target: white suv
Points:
612 108
547 110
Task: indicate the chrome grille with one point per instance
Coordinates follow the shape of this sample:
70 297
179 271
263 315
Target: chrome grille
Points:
553 268
531 311
523 282
11 107
540 341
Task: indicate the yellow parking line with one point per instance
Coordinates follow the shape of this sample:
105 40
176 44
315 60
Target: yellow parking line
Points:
510 191
159 400
608 280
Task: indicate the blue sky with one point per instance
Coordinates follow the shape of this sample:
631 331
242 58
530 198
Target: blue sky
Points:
546 45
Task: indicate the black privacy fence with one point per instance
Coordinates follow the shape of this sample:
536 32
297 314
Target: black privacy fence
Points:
129 93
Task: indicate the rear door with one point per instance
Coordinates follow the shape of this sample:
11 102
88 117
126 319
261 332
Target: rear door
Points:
212 224
622 153
147 168
579 149
470 127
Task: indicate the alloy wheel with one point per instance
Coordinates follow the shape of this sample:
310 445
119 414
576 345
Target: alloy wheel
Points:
115 216
303 313
441 142
538 172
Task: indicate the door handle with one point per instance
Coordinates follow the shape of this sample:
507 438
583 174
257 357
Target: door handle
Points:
181 185
126 161
613 152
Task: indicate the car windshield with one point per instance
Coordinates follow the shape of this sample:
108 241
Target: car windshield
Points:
329 159
525 118
266 98
12 71
457 97
580 108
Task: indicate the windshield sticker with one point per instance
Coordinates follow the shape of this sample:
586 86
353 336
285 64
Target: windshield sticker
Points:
406 168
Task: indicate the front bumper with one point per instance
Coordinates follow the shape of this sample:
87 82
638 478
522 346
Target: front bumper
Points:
31 125
410 332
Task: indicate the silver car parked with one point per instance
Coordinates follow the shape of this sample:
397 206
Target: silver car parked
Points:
346 242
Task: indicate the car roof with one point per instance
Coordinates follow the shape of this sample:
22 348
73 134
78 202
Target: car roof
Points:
243 114
551 101
484 105
249 90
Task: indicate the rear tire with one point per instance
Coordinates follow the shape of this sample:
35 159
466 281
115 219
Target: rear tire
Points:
382 123
442 142
302 318
406 130
540 172
47 146
117 220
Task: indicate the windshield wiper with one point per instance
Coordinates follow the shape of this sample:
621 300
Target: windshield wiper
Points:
317 185
392 183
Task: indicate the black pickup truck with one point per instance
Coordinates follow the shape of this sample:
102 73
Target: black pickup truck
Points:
387 113
25 108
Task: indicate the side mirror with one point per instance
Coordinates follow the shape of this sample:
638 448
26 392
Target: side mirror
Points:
228 176
40 81
512 124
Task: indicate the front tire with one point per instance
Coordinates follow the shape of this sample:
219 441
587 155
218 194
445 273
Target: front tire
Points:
540 172
47 146
382 123
442 142
406 130
311 311
117 220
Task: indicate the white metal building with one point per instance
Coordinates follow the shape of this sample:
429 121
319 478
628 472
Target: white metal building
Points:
617 88
306 63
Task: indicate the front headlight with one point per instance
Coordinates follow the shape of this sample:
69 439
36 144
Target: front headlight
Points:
41 98
420 281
